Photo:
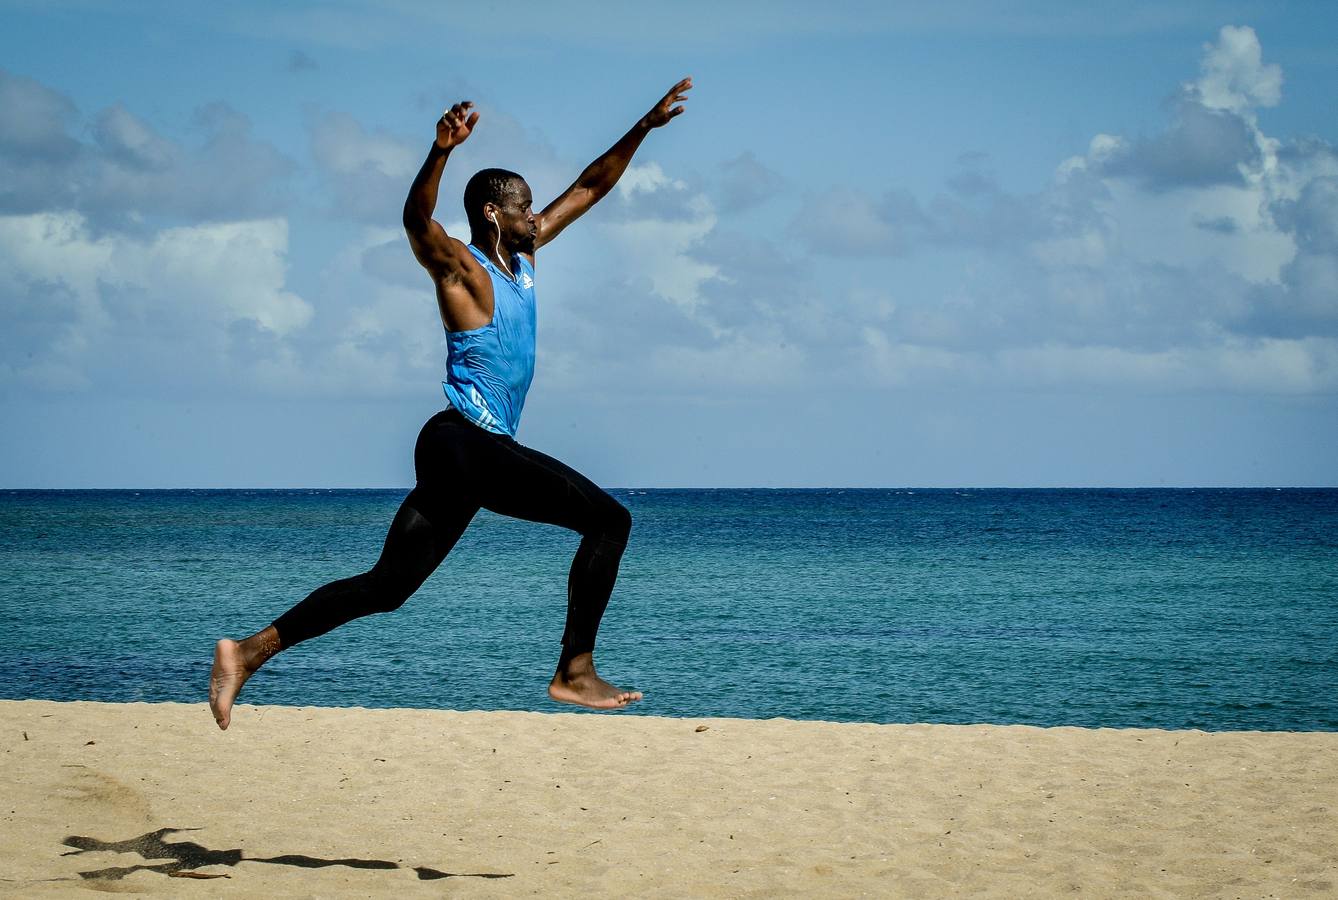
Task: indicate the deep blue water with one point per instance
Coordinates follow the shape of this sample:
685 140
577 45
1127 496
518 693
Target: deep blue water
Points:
1213 609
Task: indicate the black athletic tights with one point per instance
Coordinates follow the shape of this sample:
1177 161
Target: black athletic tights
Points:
460 468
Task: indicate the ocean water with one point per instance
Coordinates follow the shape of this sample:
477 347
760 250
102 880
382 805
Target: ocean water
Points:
1212 609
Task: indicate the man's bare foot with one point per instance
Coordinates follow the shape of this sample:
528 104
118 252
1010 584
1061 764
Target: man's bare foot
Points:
577 682
234 662
226 680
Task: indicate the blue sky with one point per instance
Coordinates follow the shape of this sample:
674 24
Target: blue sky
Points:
888 244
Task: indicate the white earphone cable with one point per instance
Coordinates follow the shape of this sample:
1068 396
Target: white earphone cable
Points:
497 248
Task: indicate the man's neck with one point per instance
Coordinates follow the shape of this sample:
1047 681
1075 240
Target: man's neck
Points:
488 244
498 253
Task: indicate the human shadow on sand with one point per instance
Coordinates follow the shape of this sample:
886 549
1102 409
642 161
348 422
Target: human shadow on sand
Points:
187 856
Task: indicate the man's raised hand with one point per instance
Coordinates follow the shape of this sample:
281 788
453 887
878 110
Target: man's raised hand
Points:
453 126
665 110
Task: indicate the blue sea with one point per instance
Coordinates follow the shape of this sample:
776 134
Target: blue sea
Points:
1211 609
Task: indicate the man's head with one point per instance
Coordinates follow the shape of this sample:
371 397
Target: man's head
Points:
498 202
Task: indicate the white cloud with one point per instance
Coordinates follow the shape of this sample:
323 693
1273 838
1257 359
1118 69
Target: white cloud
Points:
1272 366
1167 229
1267 365
660 251
138 307
1087 249
203 309
1203 256
340 144
745 182
34 118
369 172
647 178
378 337
130 141
653 221
131 172
1235 77
848 223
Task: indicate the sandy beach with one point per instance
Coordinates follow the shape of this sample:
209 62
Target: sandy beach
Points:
153 799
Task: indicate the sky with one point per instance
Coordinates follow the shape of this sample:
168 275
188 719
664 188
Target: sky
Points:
887 244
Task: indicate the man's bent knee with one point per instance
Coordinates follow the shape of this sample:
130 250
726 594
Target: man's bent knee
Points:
615 522
385 593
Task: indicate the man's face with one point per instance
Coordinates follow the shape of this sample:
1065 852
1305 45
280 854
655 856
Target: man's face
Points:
515 218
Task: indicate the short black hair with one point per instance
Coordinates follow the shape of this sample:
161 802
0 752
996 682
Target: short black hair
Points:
488 186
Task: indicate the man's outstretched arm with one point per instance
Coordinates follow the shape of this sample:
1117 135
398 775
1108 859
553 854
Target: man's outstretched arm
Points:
601 175
431 245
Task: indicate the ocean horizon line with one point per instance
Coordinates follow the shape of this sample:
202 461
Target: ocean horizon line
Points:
699 488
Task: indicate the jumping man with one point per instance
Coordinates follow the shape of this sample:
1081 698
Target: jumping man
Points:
467 457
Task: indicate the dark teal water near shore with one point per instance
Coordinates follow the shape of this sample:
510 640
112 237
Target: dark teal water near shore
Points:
1213 609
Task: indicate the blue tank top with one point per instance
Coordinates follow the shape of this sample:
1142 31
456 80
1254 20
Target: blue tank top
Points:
489 369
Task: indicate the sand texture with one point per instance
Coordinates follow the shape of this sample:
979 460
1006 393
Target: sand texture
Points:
153 799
